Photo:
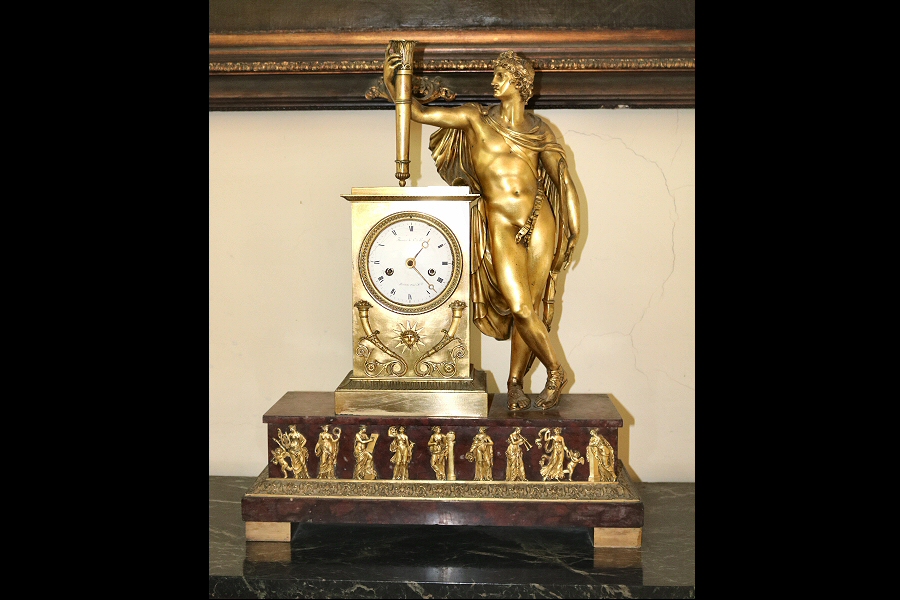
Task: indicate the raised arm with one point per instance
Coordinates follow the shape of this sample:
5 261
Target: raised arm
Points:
453 117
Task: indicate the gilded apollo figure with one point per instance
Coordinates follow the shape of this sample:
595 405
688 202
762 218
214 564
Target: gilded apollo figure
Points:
525 224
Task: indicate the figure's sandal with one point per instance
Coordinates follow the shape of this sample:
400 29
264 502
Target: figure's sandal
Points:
549 398
516 398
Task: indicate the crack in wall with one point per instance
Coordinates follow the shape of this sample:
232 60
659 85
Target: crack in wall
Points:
571 351
673 380
668 192
662 285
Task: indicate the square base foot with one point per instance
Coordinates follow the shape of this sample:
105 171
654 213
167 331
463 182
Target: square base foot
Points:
262 531
617 537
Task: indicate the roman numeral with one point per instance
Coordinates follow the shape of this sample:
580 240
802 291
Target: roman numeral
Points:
444 262
440 280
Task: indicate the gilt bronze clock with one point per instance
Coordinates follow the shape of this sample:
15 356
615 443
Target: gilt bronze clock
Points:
410 306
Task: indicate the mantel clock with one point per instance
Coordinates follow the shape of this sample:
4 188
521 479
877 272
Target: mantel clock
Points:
411 262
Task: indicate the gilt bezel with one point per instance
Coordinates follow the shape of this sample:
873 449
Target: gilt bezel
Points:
409 309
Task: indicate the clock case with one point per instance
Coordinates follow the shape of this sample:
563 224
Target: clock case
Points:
430 375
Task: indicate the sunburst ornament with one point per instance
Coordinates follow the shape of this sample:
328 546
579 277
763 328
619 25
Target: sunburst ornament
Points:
409 337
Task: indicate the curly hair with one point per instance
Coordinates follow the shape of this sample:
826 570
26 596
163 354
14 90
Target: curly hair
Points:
521 70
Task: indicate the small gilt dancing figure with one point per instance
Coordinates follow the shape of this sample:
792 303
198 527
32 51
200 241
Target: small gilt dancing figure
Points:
601 459
439 445
402 448
327 451
555 453
291 454
576 459
363 448
515 466
482 453
280 458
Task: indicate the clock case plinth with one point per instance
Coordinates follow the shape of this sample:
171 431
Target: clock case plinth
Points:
432 375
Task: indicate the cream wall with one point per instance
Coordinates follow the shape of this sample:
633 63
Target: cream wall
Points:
279 270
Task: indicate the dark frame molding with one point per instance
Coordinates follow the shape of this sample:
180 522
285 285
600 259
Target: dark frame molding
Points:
334 66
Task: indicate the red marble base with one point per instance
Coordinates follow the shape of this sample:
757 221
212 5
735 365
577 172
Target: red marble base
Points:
424 501
577 414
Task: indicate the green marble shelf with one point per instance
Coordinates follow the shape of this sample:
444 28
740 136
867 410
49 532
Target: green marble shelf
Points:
452 561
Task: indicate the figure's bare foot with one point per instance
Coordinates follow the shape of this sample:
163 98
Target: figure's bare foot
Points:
549 398
516 398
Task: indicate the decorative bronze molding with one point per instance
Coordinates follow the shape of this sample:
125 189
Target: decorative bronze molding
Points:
576 64
286 66
500 491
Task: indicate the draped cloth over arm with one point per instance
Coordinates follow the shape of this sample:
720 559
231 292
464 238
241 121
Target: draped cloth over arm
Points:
490 310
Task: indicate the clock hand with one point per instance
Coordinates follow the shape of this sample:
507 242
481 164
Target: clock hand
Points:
424 245
430 285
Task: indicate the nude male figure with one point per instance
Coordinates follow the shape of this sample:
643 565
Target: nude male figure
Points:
526 235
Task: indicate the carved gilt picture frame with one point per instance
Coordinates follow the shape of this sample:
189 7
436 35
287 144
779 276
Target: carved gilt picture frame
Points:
304 55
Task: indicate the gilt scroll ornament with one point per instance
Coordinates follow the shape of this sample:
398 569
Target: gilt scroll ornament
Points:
376 368
424 89
409 336
457 351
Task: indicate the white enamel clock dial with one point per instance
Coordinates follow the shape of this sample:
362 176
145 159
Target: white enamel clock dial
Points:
410 262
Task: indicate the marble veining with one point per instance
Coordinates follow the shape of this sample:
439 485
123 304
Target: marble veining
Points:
433 561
